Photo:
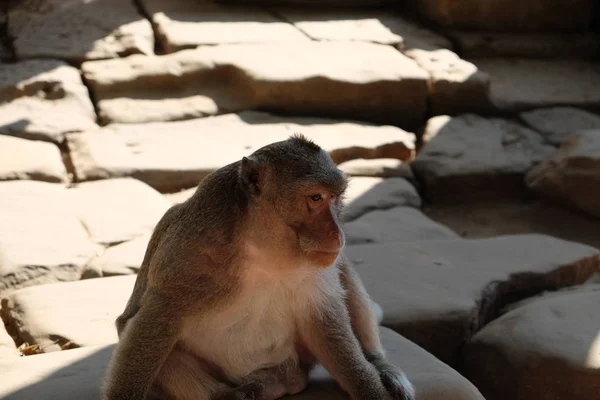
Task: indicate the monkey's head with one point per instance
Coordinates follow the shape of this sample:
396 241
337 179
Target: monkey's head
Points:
295 194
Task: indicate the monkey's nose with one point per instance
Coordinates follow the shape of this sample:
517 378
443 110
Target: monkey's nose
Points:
337 237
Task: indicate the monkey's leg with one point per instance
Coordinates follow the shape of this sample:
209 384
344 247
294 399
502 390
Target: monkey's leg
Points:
365 327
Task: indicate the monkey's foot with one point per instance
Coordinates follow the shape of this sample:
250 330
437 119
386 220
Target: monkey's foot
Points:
396 383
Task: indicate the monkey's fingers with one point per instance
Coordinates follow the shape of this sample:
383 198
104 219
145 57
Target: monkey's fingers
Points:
396 383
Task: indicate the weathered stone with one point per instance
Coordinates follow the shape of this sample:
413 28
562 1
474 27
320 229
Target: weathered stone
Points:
572 174
557 123
470 158
79 374
366 194
176 155
546 348
82 312
438 292
379 167
29 159
117 210
78 30
530 45
399 224
511 16
181 24
8 350
316 78
455 85
122 259
363 25
522 84
41 239
42 100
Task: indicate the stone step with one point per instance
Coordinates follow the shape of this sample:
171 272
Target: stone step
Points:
545 348
356 80
29 159
557 123
378 167
79 373
176 155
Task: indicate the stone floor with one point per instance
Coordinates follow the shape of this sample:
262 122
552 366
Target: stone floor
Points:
473 209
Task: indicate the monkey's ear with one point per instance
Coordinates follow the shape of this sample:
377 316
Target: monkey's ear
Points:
250 175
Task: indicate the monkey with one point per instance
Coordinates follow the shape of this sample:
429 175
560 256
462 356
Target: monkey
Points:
245 287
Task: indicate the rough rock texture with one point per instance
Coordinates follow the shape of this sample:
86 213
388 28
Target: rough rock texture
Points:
29 159
439 292
547 348
43 99
176 155
82 313
40 241
455 85
123 259
572 174
380 167
317 78
521 84
363 25
84 369
470 158
182 24
366 194
398 224
543 45
117 210
557 123
78 30
510 15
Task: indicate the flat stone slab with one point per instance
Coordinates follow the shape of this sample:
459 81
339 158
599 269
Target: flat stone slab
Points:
379 167
521 84
557 123
398 224
310 78
546 348
455 85
82 313
438 292
40 241
470 158
79 373
182 24
572 174
117 210
78 30
122 259
42 100
176 155
29 159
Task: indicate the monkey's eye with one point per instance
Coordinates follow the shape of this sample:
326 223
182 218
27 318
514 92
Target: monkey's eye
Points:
316 197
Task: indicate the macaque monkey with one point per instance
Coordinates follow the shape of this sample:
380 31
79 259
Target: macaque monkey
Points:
244 288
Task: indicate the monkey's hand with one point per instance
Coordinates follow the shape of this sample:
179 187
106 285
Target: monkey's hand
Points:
394 379
248 391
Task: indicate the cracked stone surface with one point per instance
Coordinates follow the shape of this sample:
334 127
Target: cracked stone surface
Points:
172 156
29 159
545 348
557 123
42 100
181 24
473 158
317 78
79 30
434 292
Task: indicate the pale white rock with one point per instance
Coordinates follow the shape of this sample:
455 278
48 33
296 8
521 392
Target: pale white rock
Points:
379 167
366 194
398 224
41 238
557 123
181 196
176 155
30 159
572 174
78 30
358 80
42 100
117 210
181 24
122 259
8 349
474 158
519 84
82 312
